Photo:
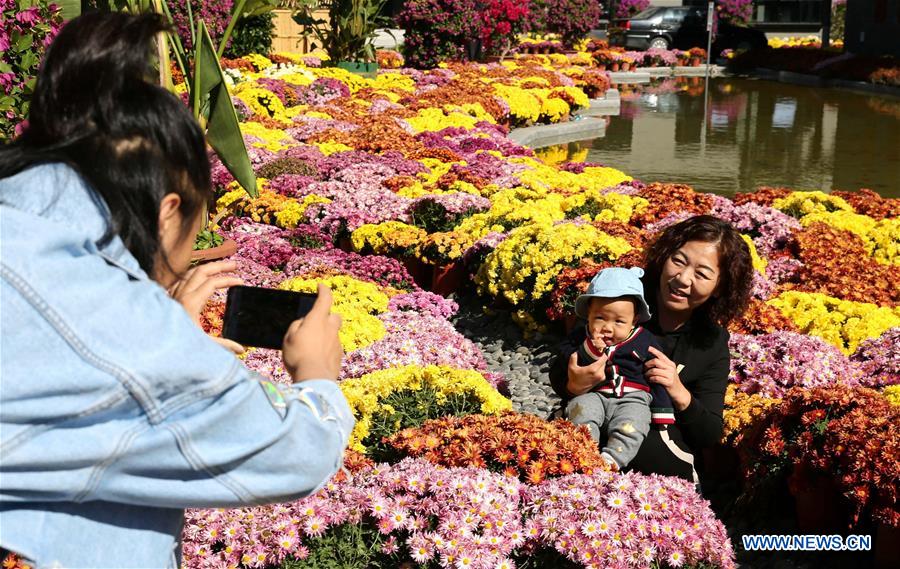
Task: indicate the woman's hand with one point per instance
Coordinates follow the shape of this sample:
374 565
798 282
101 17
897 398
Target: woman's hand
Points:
583 378
312 349
663 371
199 283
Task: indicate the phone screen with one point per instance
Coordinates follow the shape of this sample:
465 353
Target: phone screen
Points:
260 317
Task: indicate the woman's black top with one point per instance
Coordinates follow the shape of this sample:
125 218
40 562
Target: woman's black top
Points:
702 348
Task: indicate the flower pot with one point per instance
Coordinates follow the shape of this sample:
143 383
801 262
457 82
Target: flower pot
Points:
614 67
447 279
226 249
818 501
419 271
363 68
601 66
887 546
625 66
695 62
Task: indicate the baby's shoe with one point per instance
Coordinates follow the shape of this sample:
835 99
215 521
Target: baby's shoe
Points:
610 461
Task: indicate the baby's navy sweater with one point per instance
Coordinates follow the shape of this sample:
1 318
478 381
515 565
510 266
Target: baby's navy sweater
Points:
625 371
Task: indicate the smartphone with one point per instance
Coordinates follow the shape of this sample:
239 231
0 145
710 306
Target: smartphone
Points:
260 317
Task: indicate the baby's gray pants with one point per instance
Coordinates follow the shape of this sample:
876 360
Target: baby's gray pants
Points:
626 419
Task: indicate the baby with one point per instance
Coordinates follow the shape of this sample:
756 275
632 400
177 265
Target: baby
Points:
624 404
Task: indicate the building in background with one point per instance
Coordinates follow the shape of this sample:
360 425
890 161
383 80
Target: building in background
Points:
873 27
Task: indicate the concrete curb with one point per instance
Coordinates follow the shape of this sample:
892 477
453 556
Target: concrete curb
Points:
549 134
586 123
816 81
602 107
645 74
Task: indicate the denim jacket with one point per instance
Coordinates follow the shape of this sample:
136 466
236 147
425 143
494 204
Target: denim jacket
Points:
116 410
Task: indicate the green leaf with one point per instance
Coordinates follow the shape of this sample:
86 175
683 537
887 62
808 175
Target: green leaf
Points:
29 60
24 42
223 131
69 8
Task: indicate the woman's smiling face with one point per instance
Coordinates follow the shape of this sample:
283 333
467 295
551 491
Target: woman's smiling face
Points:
689 277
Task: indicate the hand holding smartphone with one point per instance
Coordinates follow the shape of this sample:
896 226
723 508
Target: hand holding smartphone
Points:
270 318
261 317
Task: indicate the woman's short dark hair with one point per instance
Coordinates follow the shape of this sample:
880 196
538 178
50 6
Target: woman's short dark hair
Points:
96 108
736 269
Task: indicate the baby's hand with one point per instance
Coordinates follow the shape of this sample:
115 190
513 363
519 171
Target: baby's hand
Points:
597 340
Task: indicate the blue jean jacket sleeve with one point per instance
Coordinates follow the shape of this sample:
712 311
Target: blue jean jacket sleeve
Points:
234 448
110 392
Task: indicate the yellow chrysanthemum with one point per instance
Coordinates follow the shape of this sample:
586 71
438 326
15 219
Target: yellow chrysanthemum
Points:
799 203
358 303
525 265
840 322
387 237
759 264
892 394
365 394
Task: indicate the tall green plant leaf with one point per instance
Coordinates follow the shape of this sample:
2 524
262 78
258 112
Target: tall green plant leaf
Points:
223 132
69 8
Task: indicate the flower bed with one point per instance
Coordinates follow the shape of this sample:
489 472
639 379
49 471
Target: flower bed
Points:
362 180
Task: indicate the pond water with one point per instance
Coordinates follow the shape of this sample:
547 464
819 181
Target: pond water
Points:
749 133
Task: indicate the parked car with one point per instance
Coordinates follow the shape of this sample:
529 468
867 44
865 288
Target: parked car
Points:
683 27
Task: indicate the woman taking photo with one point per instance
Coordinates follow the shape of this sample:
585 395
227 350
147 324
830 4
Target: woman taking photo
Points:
697 278
117 410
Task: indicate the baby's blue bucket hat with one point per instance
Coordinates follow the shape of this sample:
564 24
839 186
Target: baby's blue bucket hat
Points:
613 283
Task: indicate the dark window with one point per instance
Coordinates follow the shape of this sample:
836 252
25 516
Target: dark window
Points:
787 11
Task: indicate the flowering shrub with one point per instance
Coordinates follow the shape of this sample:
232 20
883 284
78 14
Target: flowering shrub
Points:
743 411
522 446
573 281
892 394
356 301
389 400
879 359
437 30
411 336
765 195
629 8
384 271
501 23
773 363
572 20
837 273
842 323
389 59
25 32
869 203
824 430
522 268
666 199
612 520
736 12
761 318
215 14
389 237
412 511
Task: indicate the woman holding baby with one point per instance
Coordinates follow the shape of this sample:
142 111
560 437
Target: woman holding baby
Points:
695 281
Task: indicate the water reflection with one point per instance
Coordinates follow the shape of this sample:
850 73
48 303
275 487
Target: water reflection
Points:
755 133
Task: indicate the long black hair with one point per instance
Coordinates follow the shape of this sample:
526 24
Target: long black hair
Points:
96 108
